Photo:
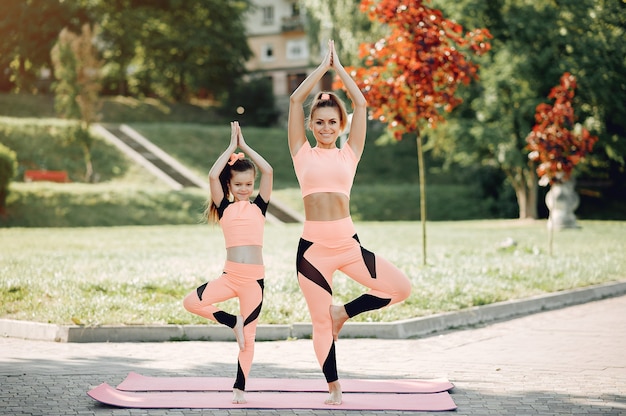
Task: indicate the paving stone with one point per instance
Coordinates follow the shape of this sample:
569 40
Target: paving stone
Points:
561 362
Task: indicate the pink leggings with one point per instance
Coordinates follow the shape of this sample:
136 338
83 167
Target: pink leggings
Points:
244 281
327 246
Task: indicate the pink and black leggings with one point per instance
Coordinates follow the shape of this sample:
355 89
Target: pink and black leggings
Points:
327 246
244 281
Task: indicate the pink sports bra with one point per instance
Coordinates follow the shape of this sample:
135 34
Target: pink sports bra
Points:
325 170
242 222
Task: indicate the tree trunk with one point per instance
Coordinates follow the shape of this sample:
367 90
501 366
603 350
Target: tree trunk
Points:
524 183
3 199
520 194
21 78
422 179
531 209
88 163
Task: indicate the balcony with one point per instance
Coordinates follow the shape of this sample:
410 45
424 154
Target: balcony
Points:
292 24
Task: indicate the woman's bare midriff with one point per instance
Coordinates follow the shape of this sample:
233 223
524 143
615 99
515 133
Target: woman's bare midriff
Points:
245 254
326 206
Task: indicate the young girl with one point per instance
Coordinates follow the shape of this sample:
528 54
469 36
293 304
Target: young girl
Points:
329 241
231 180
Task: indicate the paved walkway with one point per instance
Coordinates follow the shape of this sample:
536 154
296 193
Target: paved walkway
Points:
562 362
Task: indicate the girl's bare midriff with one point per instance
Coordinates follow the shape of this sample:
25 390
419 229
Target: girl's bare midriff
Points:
326 206
245 254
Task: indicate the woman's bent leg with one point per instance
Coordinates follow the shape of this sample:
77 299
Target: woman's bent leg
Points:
387 284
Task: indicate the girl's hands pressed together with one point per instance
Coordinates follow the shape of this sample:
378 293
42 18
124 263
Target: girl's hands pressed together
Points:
235 131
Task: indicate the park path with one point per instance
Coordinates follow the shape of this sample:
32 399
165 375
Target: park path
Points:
569 361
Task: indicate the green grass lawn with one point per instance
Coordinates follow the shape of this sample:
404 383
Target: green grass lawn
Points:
92 274
139 275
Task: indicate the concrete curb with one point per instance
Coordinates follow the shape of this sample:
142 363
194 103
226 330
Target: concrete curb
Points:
386 330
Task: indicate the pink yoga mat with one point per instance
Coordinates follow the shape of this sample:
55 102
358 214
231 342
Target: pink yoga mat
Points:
271 400
138 382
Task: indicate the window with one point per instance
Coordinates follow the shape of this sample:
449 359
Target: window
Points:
297 49
267 53
268 15
295 9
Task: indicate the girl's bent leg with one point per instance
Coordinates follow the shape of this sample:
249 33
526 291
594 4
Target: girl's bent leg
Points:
201 301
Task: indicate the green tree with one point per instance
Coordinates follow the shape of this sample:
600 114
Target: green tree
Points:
534 43
120 26
173 48
77 67
29 29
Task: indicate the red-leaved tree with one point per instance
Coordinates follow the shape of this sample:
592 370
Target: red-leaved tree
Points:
556 142
411 76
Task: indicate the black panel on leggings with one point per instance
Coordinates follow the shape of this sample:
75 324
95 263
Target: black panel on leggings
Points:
255 313
240 381
368 257
330 366
363 303
308 270
200 290
225 318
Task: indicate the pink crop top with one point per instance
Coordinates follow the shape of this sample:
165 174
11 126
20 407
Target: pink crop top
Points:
242 222
325 170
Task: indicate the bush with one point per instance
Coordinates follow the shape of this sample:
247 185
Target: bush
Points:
8 165
8 170
400 202
252 103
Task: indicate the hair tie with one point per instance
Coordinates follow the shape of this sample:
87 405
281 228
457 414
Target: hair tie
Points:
325 97
235 157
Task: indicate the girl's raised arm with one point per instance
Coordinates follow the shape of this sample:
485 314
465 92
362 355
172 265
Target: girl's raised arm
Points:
217 193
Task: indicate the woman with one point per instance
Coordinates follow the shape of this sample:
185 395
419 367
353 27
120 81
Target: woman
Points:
329 241
231 181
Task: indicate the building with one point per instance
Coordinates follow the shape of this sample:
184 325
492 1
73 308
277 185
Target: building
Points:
277 37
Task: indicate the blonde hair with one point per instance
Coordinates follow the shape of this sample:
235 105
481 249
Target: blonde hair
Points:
329 99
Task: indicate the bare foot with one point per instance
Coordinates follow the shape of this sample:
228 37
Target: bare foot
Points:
239 333
334 389
238 397
339 316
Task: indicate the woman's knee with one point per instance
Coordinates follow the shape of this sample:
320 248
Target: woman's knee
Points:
191 301
403 289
